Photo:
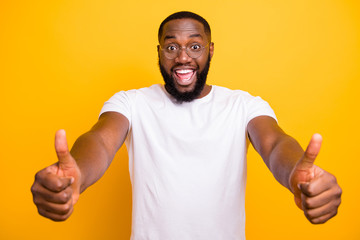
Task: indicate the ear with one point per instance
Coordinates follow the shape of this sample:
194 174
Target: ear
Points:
211 49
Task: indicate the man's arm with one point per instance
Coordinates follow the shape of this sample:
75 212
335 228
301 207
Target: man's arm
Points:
95 150
316 191
57 188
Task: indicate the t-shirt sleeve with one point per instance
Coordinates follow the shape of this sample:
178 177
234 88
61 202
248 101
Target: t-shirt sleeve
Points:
120 103
256 107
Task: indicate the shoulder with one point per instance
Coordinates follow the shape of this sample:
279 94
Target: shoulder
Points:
134 100
252 106
153 91
235 95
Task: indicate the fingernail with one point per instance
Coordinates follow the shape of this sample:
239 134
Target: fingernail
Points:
298 186
72 180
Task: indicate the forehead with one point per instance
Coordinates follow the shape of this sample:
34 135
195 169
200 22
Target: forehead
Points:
179 28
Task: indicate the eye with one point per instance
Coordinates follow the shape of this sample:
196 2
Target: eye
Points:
195 47
171 48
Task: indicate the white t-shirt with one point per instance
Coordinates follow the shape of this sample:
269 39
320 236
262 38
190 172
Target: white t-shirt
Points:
187 162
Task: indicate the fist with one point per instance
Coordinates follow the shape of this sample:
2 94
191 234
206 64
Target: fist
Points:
316 191
321 197
57 188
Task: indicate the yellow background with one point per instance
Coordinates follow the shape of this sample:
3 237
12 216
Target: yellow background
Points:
60 60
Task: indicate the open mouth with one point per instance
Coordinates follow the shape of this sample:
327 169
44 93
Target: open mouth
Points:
184 77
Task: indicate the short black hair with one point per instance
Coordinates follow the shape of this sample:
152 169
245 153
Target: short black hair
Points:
182 15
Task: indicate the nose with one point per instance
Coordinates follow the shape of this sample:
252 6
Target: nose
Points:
183 57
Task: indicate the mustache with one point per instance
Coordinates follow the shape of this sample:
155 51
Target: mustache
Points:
185 65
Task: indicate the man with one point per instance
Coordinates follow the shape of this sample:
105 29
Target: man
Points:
187 145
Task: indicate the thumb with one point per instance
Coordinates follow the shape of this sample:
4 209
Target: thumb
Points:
62 150
311 152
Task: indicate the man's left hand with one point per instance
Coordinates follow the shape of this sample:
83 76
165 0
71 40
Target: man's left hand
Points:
316 191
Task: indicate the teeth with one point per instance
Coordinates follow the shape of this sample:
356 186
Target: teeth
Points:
184 71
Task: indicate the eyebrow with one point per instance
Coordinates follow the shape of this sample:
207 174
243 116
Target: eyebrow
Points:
192 36
169 37
196 35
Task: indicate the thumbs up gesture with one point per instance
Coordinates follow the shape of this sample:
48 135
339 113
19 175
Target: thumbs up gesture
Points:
316 191
57 188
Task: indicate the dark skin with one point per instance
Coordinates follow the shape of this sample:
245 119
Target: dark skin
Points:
57 188
183 33
315 190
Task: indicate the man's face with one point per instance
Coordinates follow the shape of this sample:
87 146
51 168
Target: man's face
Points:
185 76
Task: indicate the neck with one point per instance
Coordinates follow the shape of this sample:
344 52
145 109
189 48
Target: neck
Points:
205 91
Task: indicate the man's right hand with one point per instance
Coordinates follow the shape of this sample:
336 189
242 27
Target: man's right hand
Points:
57 188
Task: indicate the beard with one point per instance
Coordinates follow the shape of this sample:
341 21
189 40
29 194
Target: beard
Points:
181 97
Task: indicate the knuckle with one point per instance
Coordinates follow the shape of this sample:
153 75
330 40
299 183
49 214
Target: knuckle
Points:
65 217
309 190
313 221
333 179
334 213
33 189
310 154
64 197
339 191
306 213
40 175
317 221
307 203
52 216
57 218
37 176
310 215
66 208
58 186
44 213
67 196
36 201
60 218
338 204
41 212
